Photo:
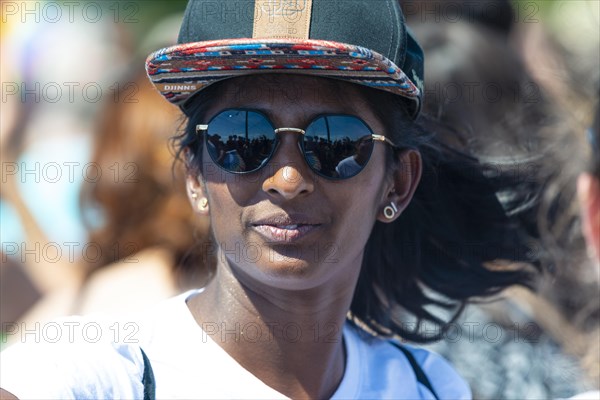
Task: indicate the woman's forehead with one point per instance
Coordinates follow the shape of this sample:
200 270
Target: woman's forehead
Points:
274 93
290 89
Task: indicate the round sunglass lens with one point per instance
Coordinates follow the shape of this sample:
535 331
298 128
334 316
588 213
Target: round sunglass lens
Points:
240 140
337 146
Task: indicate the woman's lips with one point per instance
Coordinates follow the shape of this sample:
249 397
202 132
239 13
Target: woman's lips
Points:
284 233
282 227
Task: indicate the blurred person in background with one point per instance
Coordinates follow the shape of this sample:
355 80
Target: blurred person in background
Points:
588 192
563 54
45 144
570 220
152 243
42 128
480 87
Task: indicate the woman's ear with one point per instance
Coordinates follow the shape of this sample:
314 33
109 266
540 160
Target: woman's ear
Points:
588 192
196 194
405 179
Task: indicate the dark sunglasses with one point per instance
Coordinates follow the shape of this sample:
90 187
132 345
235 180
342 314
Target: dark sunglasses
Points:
334 146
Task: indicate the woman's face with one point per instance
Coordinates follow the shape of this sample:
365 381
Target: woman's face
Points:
283 225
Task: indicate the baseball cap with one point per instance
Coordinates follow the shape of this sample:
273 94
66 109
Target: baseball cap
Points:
361 41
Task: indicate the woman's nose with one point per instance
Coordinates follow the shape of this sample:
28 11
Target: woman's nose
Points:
291 175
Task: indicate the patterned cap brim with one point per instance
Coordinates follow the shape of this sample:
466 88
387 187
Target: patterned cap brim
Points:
178 72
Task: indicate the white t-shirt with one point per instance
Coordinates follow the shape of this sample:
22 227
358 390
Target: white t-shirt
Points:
187 363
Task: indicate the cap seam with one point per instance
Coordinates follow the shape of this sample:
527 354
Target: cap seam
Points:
391 41
403 41
187 19
254 20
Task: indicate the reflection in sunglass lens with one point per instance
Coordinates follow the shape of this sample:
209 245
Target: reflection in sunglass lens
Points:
337 146
240 140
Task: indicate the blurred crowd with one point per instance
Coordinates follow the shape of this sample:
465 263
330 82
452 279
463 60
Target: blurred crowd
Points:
95 219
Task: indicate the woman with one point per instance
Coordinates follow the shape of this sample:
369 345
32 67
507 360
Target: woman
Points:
316 271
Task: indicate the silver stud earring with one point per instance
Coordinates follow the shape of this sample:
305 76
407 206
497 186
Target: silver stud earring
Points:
194 195
390 211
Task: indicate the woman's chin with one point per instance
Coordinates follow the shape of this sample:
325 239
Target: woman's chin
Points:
285 272
281 267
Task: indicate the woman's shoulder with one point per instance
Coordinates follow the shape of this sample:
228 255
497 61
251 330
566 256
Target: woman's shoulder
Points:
392 369
443 377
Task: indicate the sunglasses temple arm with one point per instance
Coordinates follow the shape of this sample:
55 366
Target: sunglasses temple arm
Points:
382 138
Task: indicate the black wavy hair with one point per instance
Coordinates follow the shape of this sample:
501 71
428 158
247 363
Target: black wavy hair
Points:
446 246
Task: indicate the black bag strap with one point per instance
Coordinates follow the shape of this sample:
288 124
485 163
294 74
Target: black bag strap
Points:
148 379
421 377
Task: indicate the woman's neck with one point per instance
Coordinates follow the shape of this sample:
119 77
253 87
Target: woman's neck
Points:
296 335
